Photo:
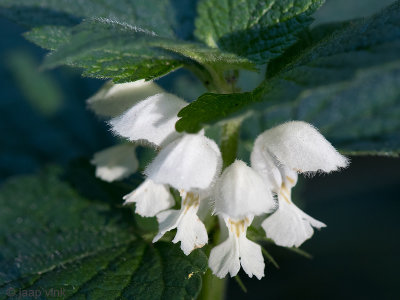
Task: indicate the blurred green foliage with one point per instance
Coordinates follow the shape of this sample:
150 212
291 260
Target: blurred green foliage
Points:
40 89
44 120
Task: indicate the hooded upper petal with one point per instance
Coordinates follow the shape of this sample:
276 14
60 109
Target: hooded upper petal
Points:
113 99
299 145
266 165
150 198
152 120
191 162
241 191
115 163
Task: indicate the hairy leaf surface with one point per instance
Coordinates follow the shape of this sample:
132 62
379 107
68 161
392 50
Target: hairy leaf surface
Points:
346 82
258 30
55 237
109 49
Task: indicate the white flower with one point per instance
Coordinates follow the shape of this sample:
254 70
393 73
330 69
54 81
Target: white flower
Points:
150 198
299 146
266 165
240 194
240 191
151 120
289 226
190 164
278 154
115 163
113 99
191 232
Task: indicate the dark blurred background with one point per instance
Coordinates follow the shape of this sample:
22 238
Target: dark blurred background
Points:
357 255
43 120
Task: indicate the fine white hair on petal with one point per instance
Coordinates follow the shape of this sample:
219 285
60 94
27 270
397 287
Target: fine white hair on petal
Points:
289 226
265 164
191 162
114 99
241 191
150 198
115 163
204 207
152 120
298 145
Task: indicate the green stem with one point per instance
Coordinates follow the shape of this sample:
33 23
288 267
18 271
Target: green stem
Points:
229 142
213 287
230 130
221 85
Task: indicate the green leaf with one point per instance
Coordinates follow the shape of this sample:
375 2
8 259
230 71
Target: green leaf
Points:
49 37
112 44
52 20
108 49
53 237
361 116
156 15
205 55
257 29
210 108
345 83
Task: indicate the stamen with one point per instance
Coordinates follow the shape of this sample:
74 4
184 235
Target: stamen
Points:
191 201
286 196
238 227
285 189
291 180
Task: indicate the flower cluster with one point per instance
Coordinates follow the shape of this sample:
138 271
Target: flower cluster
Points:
192 163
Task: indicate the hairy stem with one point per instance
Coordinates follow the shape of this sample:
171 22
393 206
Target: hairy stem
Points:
229 142
214 287
225 84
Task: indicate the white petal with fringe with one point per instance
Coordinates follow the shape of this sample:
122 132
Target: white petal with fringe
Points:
115 163
151 120
150 198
